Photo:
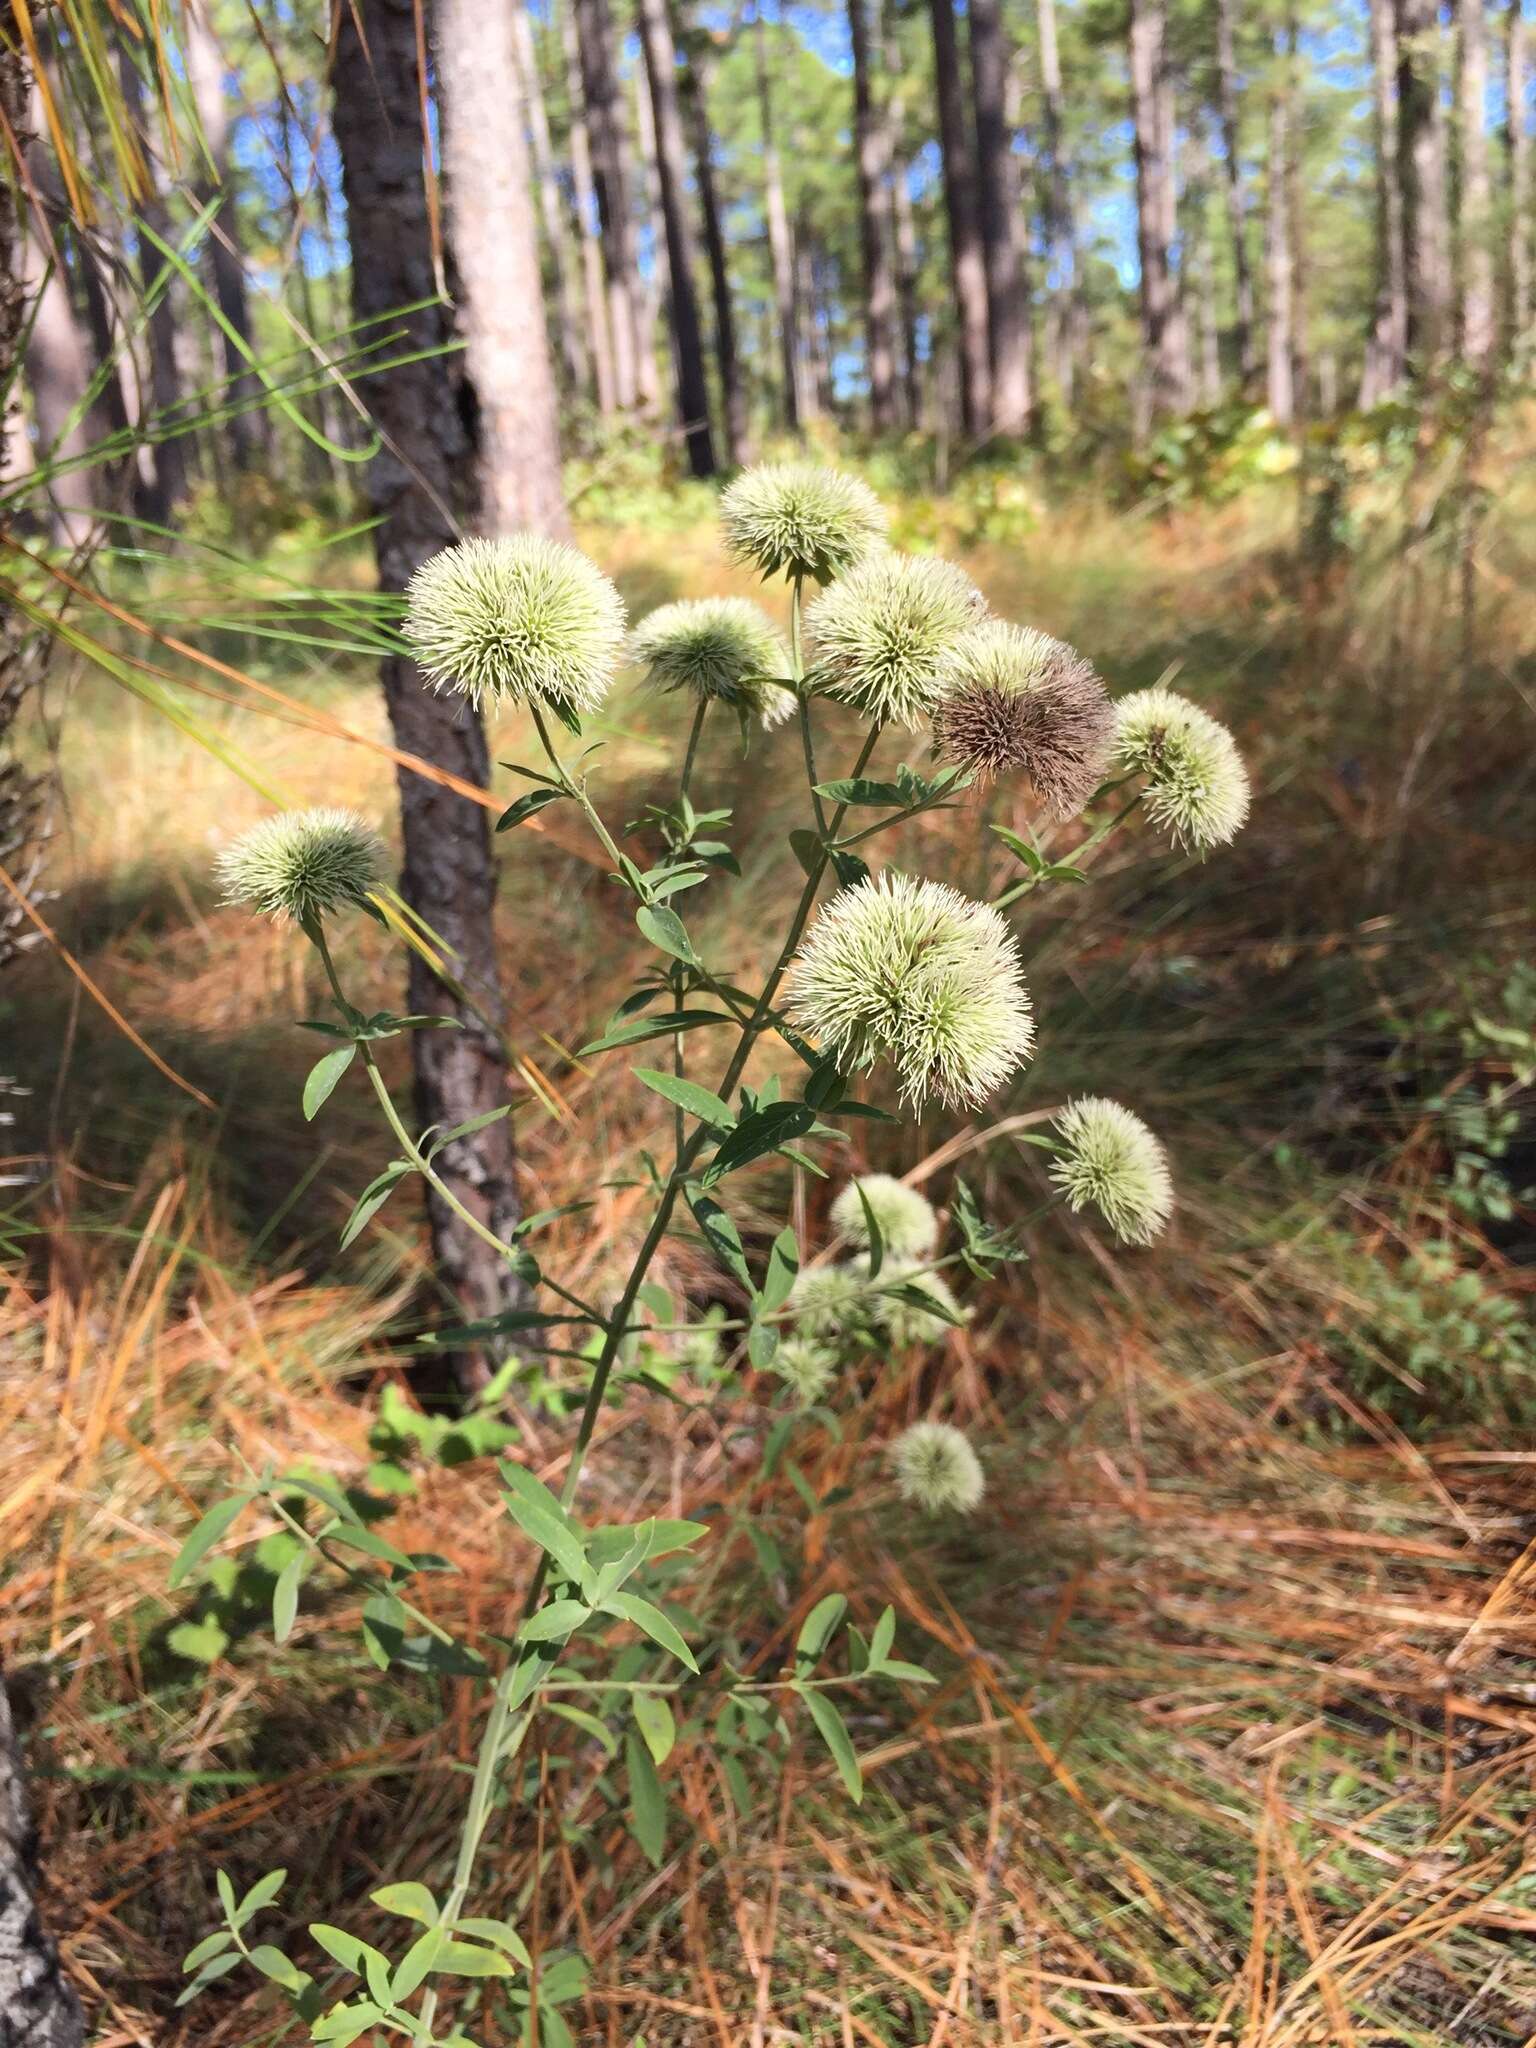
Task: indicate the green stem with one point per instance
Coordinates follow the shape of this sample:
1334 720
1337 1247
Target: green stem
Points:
572 787
693 747
1080 857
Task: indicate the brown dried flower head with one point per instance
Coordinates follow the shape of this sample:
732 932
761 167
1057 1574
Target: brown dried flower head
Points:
1017 699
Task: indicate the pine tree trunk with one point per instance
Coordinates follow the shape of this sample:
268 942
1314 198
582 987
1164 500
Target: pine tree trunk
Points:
38 2007
900 228
1387 343
1202 269
1067 313
557 240
871 140
671 170
422 489
1280 332
733 394
1000 206
653 287
1229 109
610 178
58 370
1475 213
967 259
589 232
248 429
1421 179
780 248
1517 145
1162 328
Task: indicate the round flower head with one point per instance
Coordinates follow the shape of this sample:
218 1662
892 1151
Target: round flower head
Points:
936 1469
522 617
722 647
801 519
908 1227
903 1323
917 972
881 634
1113 1163
1197 786
806 1368
828 1301
1014 698
302 864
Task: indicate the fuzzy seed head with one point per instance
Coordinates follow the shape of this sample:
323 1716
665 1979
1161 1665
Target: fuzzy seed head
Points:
301 865
908 1227
828 1302
723 647
882 633
937 1470
800 518
522 617
806 1368
1113 1163
903 1324
1197 786
918 973
1016 699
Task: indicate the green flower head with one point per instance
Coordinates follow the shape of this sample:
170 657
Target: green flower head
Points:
1112 1163
828 1302
918 973
806 1368
882 633
937 1470
301 865
524 617
1197 786
1016 699
904 1324
908 1227
801 519
723 647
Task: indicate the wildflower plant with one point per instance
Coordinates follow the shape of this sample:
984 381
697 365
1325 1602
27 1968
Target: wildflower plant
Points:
871 974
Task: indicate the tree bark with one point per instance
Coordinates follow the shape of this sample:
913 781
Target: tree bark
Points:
653 288
589 232
871 139
900 227
1229 109
1000 206
610 177
1164 336
780 247
733 393
1279 259
1421 179
1479 331
1387 344
1067 312
38 2007
58 370
421 489
557 241
248 429
967 258
671 170
1517 146
1202 270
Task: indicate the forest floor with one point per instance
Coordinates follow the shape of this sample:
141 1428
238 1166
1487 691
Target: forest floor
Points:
1234 1737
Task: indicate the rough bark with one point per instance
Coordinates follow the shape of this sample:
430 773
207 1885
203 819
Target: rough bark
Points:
967 258
871 140
1229 113
1517 148
1280 338
672 173
610 179
248 432
780 248
421 489
38 2007
1421 179
557 241
1475 213
589 232
999 203
58 370
733 391
902 230
1164 335
1387 344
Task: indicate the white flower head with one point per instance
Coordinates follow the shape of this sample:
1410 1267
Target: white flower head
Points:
301 865
882 633
904 1324
828 1302
806 1368
800 518
722 647
937 1470
1113 1163
523 617
1197 786
908 1227
1016 699
917 973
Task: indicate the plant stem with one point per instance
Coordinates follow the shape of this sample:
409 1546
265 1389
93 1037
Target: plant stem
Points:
693 746
1079 858
573 788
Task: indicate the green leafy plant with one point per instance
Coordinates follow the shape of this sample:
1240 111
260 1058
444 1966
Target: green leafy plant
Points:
892 969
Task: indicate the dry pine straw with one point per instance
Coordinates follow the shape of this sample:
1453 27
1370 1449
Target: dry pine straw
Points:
1231 1745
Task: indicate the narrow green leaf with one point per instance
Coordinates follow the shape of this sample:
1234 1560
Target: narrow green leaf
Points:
863 793
647 1802
553 1623
653 1717
526 806
875 1234
764 1131
218 1520
880 1642
720 1233
783 1270
500 1935
274 1964
540 1517
666 930
373 1198
410 1900
323 1076
210 1974
285 1596
700 1102
816 1629
463 1959
211 1945
654 1027
589 1724
416 1964
340 1946
651 1622
829 1723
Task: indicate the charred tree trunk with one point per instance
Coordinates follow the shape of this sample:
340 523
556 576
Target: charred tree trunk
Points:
1421 180
967 259
733 394
871 149
671 171
610 177
1229 109
38 2007
1475 213
1002 238
573 351
1387 345
1162 327
421 490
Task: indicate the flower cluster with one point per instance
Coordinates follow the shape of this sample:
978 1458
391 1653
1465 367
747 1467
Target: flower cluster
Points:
906 1221
801 519
937 1469
881 634
1111 1162
302 865
1012 698
1196 784
716 647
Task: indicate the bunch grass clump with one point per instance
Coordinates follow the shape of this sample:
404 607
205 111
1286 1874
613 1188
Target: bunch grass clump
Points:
1014 699
937 1469
1111 1162
522 617
917 973
301 865
908 1225
882 632
801 519
1196 784
724 648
